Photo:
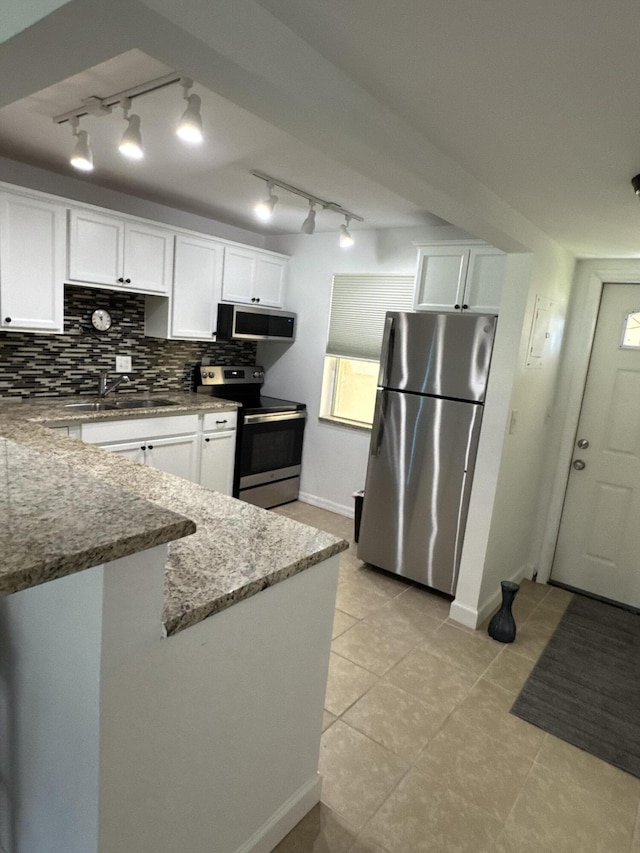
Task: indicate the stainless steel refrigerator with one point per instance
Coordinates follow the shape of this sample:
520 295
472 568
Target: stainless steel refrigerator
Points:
431 388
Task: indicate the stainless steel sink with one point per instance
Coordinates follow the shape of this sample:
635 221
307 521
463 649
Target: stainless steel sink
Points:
91 407
141 404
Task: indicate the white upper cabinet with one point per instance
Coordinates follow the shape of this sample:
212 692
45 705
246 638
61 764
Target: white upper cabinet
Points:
32 263
253 277
118 253
457 277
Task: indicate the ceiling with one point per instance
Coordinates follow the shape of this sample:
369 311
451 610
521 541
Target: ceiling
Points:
212 179
528 108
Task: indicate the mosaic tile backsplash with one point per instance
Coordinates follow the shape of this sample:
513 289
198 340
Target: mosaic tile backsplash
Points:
53 365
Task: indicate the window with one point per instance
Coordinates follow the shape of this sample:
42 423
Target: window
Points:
358 307
631 335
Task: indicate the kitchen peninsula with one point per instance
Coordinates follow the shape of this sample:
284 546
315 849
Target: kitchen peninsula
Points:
130 720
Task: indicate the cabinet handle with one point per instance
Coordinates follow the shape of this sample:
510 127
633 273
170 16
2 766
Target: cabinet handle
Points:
150 446
143 447
7 319
457 307
253 299
127 281
207 439
464 307
121 280
257 299
221 422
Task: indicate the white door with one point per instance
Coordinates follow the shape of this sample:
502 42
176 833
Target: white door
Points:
196 288
217 462
442 271
597 548
176 455
148 258
238 275
131 450
269 281
483 287
96 248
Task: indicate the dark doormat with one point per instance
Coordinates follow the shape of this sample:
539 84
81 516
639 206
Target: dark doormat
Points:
585 688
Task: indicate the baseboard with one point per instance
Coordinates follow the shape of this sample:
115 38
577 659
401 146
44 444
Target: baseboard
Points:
340 509
285 818
471 617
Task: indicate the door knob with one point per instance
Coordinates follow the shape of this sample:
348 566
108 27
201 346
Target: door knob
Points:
579 465
583 443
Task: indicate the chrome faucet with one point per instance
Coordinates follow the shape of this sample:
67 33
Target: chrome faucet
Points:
104 388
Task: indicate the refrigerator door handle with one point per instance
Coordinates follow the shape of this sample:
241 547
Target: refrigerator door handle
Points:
387 345
378 424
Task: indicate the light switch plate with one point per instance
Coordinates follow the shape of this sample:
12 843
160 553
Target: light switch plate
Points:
123 363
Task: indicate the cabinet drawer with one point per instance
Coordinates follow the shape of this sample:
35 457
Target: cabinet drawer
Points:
106 432
221 420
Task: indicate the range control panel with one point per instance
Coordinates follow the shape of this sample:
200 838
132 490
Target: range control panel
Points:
224 374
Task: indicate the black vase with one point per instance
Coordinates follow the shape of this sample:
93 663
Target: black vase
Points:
502 626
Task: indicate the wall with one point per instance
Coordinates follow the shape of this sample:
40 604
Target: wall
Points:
335 456
45 365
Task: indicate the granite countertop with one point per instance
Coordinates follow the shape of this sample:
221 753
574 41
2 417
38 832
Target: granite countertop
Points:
237 550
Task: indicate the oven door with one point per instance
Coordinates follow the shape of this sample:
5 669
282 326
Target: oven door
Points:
270 457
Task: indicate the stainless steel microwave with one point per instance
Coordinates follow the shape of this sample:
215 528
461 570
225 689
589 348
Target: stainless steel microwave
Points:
252 323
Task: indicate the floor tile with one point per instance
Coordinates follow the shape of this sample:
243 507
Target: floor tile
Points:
405 622
320 831
419 817
574 767
357 600
516 841
557 598
472 651
364 846
358 774
568 818
327 719
635 844
425 601
532 591
487 708
388 584
441 686
531 640
341 623
394 718
372 647
486 772
346 683
509 671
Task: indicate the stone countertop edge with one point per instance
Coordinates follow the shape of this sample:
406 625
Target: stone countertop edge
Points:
193 590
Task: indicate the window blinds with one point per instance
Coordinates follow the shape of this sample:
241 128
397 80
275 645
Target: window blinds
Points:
358 307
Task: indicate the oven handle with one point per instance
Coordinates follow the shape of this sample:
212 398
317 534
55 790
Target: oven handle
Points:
273 416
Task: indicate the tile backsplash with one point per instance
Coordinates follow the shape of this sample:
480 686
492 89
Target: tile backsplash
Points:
50 365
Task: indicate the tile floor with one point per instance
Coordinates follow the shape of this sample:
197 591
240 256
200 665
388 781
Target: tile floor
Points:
419 752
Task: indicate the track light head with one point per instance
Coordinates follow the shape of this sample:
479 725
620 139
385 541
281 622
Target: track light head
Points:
81 157
309 225
189 128
131 142
345 239
635 183
264 209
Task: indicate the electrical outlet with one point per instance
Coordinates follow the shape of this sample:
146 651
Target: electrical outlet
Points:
123 364
513 423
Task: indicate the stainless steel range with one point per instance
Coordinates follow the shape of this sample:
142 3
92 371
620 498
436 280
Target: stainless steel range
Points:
270 433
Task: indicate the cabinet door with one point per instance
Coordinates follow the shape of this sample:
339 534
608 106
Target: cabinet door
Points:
96 248
132 450
441 275
32 264
197 286
176 455
217 461
238 275
148 258
269 282
485 275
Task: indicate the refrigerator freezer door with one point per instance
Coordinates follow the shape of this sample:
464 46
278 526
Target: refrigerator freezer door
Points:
447 355
417 487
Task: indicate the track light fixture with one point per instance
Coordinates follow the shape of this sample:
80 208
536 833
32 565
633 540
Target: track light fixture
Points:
264 209
82 156
131 142
189 128
345 238
309 225
635 183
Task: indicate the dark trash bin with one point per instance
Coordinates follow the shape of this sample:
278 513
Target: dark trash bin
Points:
358 498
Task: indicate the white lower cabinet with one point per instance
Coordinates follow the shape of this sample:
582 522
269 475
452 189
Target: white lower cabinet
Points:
200 448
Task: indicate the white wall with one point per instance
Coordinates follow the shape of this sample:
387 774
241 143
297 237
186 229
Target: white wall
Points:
77 189
335 456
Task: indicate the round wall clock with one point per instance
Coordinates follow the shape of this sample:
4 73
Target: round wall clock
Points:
101 320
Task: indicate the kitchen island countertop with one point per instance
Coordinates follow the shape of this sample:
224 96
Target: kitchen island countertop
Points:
80 506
